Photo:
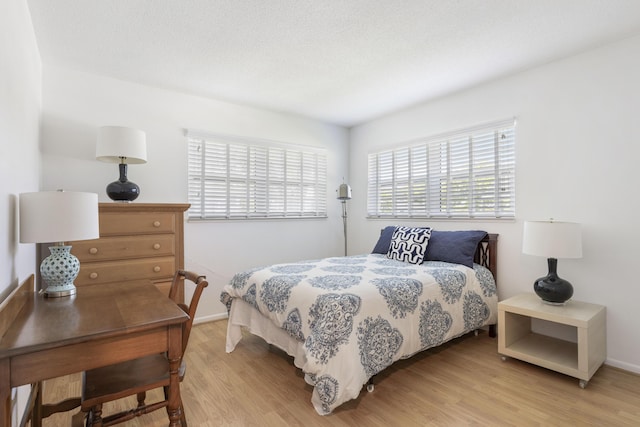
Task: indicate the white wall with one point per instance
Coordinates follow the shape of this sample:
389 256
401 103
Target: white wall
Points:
20 104
577 160
75 104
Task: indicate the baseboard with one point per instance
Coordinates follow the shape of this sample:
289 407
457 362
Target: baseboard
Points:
623 365
211 318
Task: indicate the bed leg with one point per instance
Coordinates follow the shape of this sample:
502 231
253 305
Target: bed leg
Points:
370 386
492 331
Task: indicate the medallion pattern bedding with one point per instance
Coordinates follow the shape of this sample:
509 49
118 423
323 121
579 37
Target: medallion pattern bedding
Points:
354 316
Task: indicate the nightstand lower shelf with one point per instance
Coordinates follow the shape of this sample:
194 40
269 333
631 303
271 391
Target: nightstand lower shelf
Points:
548 352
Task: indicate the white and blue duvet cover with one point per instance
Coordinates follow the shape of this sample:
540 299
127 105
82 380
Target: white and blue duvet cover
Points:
355 316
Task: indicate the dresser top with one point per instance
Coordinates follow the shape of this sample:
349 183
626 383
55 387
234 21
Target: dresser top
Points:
142 207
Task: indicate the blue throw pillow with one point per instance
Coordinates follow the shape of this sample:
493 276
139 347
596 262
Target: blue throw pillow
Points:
457 247
382 246
409 244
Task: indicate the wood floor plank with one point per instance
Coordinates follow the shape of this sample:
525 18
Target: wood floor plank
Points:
462 383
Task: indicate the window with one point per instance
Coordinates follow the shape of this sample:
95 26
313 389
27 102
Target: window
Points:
464 174
234 178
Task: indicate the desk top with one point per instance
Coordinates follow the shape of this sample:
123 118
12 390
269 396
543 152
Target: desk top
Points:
97 311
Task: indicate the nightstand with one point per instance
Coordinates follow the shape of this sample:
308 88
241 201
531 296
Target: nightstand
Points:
580 359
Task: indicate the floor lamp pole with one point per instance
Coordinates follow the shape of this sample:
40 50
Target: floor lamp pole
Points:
344 194
344 223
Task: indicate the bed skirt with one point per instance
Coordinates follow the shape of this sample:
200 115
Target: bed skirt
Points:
243 315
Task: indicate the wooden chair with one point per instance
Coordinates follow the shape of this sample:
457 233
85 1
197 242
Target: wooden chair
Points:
138 376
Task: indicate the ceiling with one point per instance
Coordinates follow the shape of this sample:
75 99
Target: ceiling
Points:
339 61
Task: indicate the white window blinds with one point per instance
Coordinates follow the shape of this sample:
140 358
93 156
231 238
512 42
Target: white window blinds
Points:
464 174
233 178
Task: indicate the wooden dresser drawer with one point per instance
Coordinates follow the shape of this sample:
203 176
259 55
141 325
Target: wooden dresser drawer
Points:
127 223
154 269
125 247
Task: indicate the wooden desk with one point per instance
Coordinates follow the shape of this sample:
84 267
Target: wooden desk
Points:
100 325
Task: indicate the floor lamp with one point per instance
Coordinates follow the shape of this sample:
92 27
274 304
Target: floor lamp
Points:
344 194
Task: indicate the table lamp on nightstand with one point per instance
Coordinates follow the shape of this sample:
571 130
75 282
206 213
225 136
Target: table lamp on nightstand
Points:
56 217
552 239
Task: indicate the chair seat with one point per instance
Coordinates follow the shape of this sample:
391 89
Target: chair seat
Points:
123 379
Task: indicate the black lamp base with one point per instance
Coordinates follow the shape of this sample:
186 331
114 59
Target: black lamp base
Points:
551 288
123 190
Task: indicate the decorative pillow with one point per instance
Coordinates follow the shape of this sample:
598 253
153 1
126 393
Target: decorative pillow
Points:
382 247
457 247
409 244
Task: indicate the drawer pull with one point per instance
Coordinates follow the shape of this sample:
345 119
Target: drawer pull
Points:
93 275
93 251
156 224
156 246
156 269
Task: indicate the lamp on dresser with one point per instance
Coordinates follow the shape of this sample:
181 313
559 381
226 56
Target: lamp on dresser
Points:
56 217
122 145
552 239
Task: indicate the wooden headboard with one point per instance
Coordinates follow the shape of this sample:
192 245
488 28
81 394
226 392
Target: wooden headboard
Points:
487 254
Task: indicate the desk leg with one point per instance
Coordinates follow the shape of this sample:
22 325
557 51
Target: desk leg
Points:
174 407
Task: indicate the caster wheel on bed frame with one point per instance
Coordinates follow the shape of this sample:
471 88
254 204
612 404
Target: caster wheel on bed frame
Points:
504 358
371 387
583 383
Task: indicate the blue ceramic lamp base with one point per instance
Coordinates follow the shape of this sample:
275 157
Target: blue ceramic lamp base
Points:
123 190
551 288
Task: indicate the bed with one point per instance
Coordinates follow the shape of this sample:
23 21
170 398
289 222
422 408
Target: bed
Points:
345 319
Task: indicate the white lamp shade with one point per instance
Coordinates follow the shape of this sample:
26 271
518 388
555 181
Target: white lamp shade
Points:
552 239
58 216
115 142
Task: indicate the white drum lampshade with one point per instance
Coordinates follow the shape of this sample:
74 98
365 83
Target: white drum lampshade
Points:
56 217
122 145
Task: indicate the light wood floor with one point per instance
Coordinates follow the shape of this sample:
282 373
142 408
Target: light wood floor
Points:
461 383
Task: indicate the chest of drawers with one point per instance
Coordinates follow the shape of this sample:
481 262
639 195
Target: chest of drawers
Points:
138 241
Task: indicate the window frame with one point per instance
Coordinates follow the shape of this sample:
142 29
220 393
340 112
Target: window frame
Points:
240 178
465 174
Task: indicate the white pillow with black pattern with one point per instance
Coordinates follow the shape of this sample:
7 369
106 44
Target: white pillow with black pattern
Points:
409 244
